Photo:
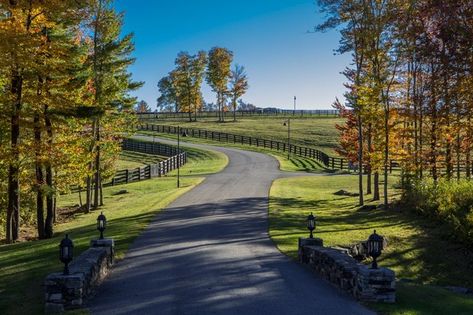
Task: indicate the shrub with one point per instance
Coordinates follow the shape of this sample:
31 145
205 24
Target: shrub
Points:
449 202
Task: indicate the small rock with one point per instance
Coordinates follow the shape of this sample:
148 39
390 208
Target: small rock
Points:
120 192
459 290
345 193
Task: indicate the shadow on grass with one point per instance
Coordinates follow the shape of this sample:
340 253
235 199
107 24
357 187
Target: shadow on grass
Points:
418 248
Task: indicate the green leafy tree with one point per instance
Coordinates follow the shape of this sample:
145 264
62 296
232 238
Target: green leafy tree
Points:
109 60
218 75
238 86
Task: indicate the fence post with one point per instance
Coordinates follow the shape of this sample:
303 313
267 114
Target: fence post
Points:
126 173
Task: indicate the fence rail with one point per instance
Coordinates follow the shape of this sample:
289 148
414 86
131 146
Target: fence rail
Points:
328 161
229 115
176 159
335 163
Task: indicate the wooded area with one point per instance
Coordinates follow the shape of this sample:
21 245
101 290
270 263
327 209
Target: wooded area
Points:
64 104
410 87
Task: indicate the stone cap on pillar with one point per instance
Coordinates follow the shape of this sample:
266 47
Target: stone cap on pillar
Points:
105 242
310 241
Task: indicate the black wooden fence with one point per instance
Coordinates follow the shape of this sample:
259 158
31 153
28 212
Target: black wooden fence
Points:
325 159
176 159
335 163
253 113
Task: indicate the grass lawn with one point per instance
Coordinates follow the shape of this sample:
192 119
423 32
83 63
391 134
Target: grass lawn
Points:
131 160
421 252
318 132
23 266
294 164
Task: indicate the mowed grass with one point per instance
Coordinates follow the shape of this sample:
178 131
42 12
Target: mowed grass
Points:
131 160
23 266
318 132
421 252
293 164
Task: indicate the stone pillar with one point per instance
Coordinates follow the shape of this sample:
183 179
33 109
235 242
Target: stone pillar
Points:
63 292
106 243
376 285
303 258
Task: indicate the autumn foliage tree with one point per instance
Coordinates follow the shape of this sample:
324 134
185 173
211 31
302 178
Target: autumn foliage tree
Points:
409 86
46 83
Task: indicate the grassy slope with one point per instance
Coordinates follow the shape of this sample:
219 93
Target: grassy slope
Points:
294 164
130 160
418 249
23 266
314 132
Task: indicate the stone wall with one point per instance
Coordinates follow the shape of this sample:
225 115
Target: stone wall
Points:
335 265
64 292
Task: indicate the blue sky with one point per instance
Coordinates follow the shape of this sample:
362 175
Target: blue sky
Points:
270 38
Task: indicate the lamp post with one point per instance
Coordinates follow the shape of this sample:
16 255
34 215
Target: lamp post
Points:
311 224
375 247
295 100
288 124
66 248
178 155
101 224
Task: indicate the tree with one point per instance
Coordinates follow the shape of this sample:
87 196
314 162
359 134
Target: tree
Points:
142 107
187 81
238 86
167 101
218 75
109 60
35 35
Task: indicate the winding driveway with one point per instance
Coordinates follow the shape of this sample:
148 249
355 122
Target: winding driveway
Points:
209 253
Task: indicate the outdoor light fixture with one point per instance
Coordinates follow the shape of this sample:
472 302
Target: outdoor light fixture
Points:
287 124
66 252
311 224
101 224
375 247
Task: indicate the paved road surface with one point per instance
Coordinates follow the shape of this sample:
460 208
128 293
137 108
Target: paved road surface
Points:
209 253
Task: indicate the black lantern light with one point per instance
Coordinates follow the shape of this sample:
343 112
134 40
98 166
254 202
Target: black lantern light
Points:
311 224
101 224
66 252
375 247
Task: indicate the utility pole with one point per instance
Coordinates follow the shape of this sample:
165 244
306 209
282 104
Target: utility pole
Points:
178 155
295 100
288 124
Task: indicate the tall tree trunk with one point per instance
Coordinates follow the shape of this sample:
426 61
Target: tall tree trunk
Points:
421 138
101 192
433 128
49 223
448 146
386 154
376 186
88 192
468 148
234 110
97 166
39 178
360 160
368 164
13 210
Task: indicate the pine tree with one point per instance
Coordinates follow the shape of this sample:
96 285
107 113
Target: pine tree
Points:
109 60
